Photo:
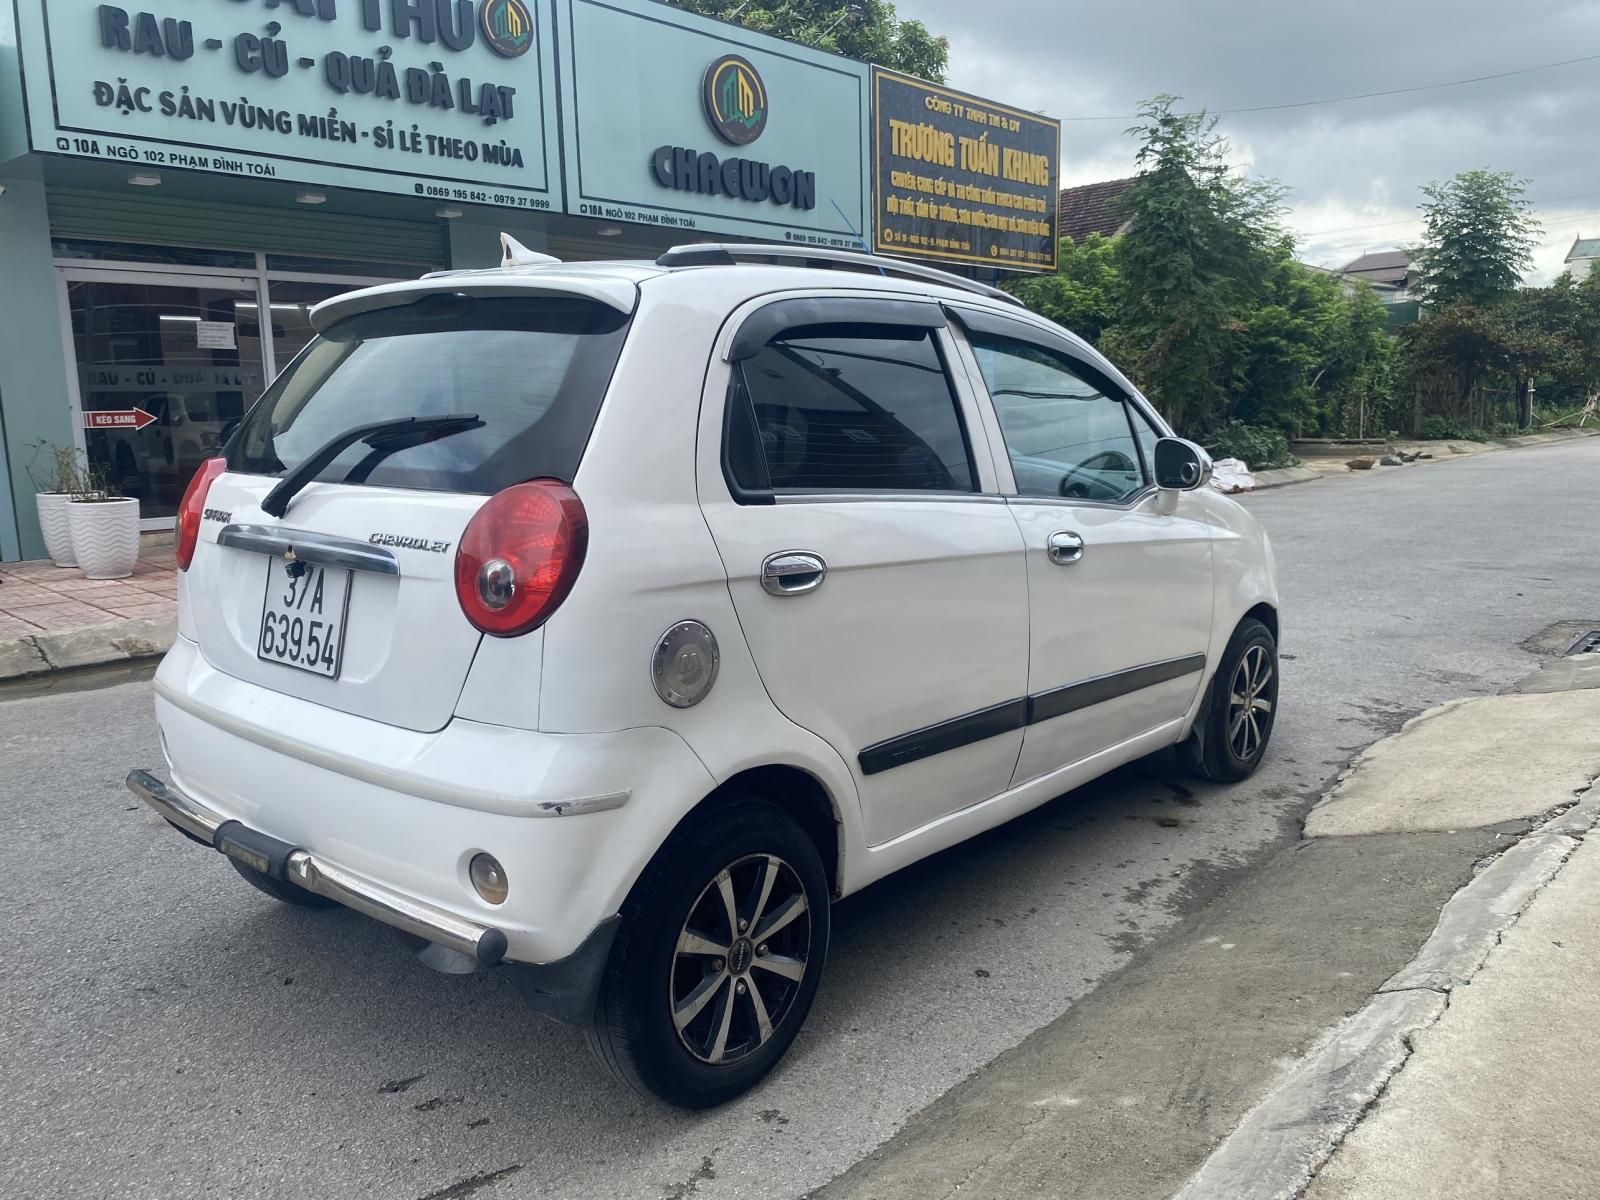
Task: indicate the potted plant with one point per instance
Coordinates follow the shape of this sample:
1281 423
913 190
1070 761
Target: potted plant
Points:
104 527
57 477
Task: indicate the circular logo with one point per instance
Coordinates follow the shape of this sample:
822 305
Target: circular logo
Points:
507 26
735 100
740 955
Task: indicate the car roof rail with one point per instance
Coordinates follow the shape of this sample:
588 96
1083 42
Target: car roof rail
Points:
725 254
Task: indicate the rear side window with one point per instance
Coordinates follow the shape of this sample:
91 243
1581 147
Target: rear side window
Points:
534 370
847 408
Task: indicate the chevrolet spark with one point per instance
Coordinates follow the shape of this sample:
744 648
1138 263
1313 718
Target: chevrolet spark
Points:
602 623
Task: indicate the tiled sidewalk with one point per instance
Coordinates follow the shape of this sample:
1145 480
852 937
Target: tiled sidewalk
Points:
38 597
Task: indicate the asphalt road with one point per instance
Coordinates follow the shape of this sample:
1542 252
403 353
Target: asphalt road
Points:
167 1032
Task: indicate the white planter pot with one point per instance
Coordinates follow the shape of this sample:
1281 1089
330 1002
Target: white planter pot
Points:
53 524
105 537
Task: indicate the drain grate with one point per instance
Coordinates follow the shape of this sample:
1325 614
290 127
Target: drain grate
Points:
1587 643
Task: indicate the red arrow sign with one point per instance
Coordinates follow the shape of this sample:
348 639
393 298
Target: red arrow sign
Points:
117 418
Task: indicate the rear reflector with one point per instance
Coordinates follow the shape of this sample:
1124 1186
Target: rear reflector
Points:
520 556
193 506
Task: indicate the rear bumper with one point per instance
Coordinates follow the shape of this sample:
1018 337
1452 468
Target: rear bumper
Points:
388 819
484 944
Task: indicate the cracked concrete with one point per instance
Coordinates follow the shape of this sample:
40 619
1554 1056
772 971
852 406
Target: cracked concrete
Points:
1280 1145
1497 1098
1279 1149
1125 1095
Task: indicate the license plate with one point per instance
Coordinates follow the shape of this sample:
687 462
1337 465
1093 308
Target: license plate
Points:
304 615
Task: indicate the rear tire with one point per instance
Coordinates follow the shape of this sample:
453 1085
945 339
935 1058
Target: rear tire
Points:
1230 739
289 893
717 959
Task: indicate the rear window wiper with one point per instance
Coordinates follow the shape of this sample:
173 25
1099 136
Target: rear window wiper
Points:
387 436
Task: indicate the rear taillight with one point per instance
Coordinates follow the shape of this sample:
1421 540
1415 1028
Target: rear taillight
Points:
193 508
520 556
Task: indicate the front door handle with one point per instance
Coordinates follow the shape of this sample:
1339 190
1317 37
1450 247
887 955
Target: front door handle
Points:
793 573
1064 548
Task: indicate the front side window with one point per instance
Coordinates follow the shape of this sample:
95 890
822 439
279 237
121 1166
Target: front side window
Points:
1067 435
1148 437
847 408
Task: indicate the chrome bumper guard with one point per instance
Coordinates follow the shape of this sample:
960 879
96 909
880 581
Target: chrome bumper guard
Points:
484 944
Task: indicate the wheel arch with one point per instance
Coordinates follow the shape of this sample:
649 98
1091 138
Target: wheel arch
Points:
796 791
1266 613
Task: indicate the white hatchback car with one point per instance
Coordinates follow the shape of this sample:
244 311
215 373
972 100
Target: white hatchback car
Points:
603 622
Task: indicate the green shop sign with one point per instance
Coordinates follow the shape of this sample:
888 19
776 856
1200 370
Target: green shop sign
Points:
675 120
451 99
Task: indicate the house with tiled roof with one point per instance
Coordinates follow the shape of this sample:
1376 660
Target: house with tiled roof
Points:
1390 272
1092 208
1580 259
1394 277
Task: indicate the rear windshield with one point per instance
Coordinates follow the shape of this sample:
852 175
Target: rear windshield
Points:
533 370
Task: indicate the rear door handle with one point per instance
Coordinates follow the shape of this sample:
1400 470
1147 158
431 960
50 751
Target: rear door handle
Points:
793 573
1064 548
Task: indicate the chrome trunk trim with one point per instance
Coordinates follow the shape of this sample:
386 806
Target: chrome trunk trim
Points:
324 549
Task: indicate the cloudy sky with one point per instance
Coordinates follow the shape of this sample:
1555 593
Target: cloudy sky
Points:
1353 168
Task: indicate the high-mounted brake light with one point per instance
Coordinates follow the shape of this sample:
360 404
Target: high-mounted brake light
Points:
520 556
193 508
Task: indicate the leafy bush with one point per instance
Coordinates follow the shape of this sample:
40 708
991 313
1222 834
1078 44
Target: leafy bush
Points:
1261 448
1450 429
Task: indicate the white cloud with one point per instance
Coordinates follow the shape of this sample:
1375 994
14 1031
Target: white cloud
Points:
1358 163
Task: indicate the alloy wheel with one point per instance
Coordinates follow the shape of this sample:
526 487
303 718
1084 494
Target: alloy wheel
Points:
1250 702
740 956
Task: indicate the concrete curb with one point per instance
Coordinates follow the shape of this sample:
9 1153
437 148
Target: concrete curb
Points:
96 645
1442 451
1472 921
1284 476
1281 1143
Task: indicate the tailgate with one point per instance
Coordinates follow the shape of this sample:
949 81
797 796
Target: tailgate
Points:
385 639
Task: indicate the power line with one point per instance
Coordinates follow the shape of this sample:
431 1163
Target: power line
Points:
1425 87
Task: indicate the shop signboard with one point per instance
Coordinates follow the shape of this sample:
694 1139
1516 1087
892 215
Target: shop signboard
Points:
447 99
962 179
679 121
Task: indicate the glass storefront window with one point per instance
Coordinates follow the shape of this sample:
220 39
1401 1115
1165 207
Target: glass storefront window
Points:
309 265
164 369
177 256
168 362
291 314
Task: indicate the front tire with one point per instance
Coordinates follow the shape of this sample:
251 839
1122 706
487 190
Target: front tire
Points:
1230 740
717 960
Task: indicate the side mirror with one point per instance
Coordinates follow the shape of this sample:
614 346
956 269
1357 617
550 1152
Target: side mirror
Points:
1181 466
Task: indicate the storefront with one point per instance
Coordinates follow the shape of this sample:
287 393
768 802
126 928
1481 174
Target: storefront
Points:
182 183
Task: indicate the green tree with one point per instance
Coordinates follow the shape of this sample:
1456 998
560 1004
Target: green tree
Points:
1446 356
1354 393
1085 292
1478 238
868 30
1537 331
1200 242
1279 346
1568 314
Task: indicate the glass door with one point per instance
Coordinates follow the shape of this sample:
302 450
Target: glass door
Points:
165 364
